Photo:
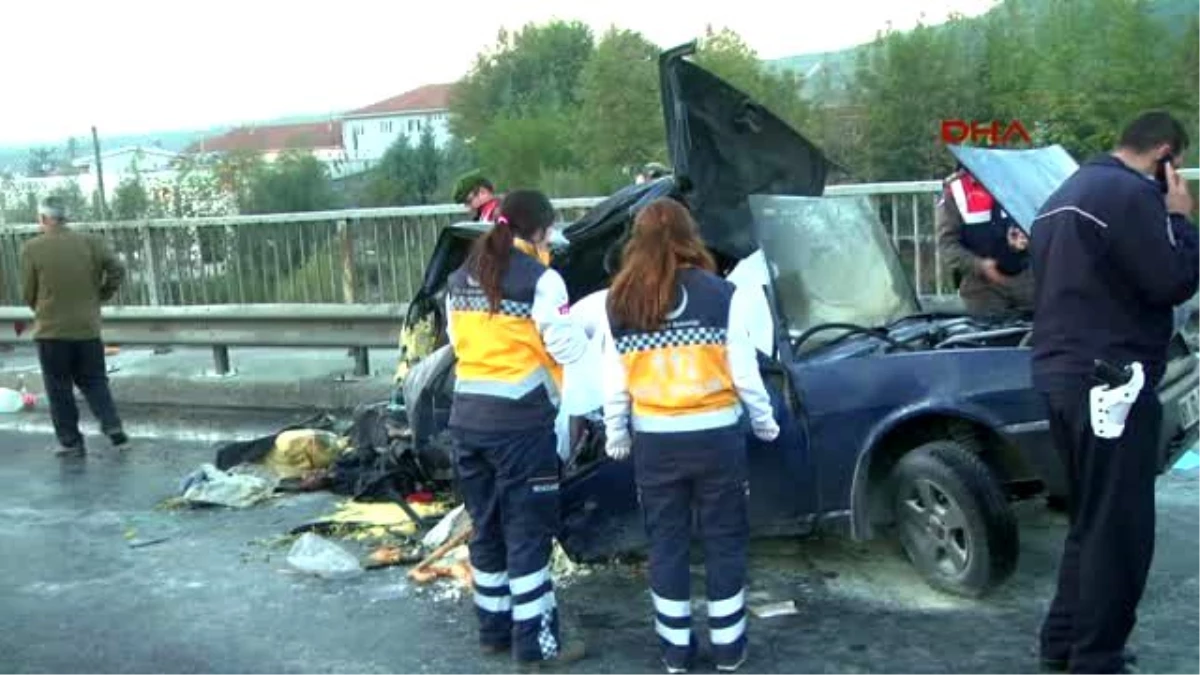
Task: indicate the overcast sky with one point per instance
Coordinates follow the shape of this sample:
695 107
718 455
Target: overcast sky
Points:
133 66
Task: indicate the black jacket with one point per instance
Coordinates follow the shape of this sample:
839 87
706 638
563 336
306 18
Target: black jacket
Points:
1109 266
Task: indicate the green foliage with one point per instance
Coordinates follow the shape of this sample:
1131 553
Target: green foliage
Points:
521 148
73 199
1074 72
428 166
296 181
524 73
620 116
727 56
130 200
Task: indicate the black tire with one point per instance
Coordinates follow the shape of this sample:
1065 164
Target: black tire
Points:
953 520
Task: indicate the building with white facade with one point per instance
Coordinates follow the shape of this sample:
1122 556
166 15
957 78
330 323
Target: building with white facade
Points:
125 160
368 132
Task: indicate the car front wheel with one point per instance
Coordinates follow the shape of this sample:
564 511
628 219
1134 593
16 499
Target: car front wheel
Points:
953 520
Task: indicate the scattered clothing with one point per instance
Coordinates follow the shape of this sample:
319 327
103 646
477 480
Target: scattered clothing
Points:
249 452
211 486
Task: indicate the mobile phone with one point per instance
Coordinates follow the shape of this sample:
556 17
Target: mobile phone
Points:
1160 173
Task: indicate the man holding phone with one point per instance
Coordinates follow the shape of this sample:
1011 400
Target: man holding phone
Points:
1111 258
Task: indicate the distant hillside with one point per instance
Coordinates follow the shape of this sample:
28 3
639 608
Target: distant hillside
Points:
837 67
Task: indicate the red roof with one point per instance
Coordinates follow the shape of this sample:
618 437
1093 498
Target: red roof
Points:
428 97
274 138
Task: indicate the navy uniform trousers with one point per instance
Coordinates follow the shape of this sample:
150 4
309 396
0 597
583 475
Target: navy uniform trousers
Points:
510 483
1110 543
701 472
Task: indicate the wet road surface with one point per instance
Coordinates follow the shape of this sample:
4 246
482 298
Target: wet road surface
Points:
216 595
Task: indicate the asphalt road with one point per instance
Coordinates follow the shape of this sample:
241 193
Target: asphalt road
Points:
214 596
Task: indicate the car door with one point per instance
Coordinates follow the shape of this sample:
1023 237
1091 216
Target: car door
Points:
834 278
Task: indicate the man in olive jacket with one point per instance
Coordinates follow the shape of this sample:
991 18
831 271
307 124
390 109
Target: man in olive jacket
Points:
66 276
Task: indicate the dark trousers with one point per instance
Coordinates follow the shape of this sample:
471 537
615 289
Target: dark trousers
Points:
67 364
982 298
510 483
704 473
1110 543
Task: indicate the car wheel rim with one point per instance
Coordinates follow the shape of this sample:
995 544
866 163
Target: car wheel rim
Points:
934 528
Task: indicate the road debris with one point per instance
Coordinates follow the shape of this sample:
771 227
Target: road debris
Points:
209 485
371 520
314 554
454 523
390 555
774 609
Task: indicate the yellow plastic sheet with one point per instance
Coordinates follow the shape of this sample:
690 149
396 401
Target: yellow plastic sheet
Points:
377 520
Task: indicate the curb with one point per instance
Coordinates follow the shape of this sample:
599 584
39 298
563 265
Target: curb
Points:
337 392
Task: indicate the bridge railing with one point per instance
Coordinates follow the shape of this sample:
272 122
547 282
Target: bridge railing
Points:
372 256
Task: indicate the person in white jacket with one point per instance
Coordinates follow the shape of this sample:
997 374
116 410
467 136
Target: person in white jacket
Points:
680 374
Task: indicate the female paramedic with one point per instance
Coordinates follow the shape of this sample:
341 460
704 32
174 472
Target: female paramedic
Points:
511 333
680 369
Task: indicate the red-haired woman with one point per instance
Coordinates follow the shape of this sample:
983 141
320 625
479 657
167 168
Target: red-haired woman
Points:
510 333
681 374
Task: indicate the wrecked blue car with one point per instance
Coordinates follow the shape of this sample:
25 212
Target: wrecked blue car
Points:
896 422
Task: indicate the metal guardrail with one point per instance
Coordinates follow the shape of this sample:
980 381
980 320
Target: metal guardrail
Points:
358 327
372 256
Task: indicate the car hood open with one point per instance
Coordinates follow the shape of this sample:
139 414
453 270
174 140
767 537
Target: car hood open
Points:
725 146
1021 180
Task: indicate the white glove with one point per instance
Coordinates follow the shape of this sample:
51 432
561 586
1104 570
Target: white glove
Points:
765 429
619 447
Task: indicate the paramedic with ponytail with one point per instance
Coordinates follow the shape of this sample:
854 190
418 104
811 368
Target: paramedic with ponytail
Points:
511 334
681 373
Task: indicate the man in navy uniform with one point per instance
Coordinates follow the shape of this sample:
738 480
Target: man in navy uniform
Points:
1112 257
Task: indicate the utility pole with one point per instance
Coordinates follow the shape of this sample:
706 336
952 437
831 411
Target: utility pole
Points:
99 175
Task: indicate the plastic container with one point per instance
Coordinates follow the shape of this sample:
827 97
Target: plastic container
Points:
11 400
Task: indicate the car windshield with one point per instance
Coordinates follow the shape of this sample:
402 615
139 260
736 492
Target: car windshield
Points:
830 262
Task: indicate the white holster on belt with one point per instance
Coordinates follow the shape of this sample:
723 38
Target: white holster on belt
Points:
1110 406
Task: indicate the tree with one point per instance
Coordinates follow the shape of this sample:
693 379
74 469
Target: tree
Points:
517 150
525 73
236 174
513 106
41 162
130 200
620 124
428 166
393 180
727 56
295 182
72 198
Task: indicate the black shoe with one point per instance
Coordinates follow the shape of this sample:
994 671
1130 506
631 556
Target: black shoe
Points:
495 650
118 438
1063 665
732 666
69 451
